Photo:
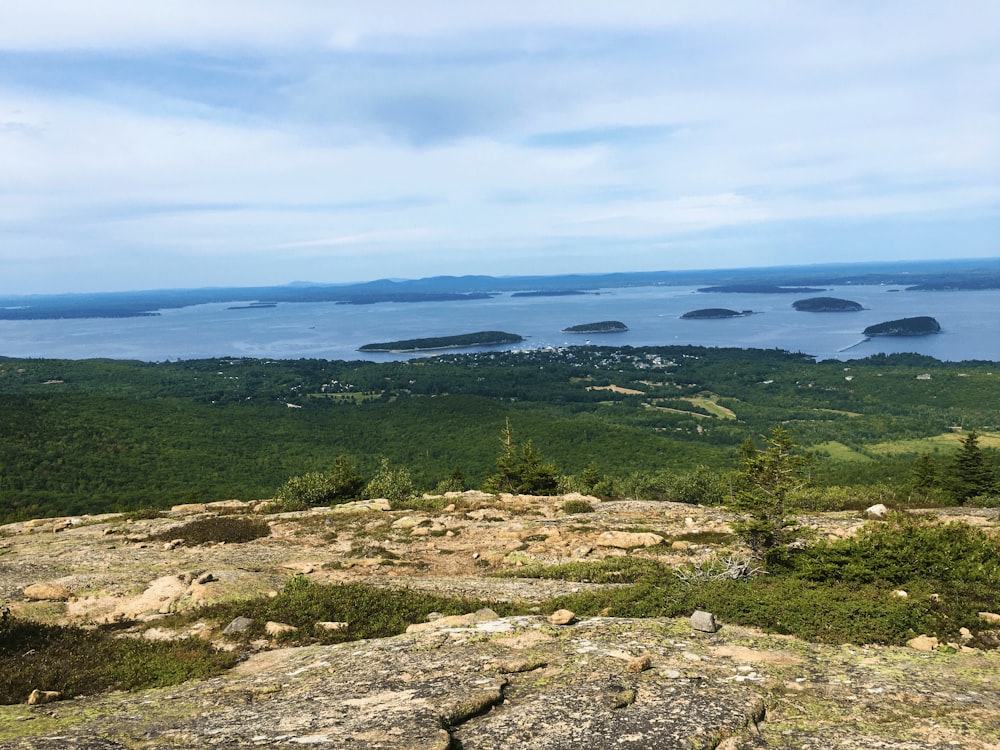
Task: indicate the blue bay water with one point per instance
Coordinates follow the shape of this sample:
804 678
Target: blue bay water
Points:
970 322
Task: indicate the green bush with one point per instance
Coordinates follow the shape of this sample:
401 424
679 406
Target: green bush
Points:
703 486
216 529
577 506
341 484
395 485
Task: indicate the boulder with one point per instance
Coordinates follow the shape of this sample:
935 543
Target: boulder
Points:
923 643
877 511
237 626
639 664
39 697
275 629
704 622
47 592
990 618
562 617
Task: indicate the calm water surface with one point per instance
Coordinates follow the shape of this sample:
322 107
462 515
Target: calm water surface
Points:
969 322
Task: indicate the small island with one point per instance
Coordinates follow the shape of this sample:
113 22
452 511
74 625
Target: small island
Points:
253 306
461 341
919 326
551 293
714 313
604 326
826 304
759 289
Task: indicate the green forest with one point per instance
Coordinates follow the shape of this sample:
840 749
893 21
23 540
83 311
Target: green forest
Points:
90 436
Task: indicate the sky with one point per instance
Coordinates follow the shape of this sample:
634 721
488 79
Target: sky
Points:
197 143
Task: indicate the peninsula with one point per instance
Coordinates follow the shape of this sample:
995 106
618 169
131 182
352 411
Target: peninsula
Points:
919 326
461 341
604 326
826 304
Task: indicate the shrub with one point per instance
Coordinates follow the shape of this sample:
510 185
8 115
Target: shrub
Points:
75 661
577 506
703 486
216 529
395 485
372 612
341 484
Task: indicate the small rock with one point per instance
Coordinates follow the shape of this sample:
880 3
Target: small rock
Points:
518 666
680 544
332 626
965 633
562 617
275 629
239 625
629 539
900 594
923 643
704 622
455 621
48 592
639 664
39 697
877 511
991 618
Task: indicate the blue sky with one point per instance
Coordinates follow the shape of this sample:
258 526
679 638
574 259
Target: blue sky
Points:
234 142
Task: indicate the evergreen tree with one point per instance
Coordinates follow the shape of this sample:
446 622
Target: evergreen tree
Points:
971 474
924 474
766 475
521 469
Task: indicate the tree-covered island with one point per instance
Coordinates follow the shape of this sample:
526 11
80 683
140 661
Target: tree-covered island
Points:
604 326
826 304
919 326
713 313
480 338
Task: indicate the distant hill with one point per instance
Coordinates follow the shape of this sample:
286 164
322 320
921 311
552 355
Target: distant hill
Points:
915 275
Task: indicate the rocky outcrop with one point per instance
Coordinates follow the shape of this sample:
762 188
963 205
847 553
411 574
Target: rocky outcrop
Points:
477 680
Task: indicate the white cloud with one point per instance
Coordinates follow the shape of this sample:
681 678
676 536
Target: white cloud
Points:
457 137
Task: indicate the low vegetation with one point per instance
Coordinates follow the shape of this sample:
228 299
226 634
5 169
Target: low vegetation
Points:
848 591
215 529
76 661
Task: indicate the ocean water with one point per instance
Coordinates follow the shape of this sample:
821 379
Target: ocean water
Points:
970 323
